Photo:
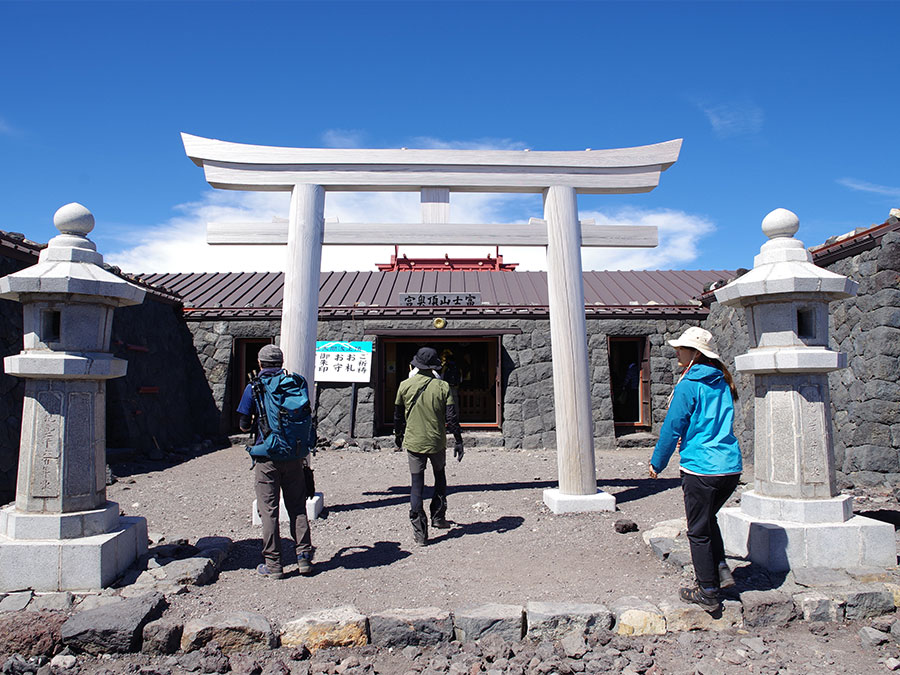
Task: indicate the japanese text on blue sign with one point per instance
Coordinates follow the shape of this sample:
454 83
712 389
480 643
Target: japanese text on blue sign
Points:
343 361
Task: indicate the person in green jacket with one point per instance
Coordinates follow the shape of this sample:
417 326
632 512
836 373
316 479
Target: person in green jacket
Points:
424 411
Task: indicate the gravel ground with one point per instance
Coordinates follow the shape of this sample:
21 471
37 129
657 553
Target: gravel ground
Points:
505 546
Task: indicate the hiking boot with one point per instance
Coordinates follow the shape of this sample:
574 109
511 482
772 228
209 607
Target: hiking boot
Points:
304 563
420 527
725 578
706 599
263 570
441 523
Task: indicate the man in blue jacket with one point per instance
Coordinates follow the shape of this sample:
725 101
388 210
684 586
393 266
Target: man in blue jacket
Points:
274 478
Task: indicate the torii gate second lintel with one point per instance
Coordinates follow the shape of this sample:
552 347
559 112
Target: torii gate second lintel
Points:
309 172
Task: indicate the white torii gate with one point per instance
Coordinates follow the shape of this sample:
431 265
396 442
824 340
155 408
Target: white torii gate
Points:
307 173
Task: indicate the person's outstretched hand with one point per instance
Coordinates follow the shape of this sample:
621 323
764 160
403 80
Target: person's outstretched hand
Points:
458 451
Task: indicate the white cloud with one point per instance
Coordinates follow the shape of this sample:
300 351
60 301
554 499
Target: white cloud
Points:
679 237
733 119
179 245
863 186
6 129
478 144
343 138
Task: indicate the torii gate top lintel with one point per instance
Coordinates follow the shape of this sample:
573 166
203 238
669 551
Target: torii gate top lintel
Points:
239 166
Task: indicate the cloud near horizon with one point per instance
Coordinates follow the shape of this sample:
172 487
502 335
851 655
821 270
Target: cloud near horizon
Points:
343 138
179 245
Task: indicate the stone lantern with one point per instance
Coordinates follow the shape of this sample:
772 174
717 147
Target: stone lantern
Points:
795 517
62 533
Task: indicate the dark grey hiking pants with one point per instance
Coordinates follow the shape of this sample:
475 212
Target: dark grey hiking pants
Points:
272 480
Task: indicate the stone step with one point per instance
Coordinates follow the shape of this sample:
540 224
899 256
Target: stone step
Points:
640 439
472 439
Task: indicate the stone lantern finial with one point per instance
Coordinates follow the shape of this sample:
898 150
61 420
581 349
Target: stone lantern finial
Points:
74 218
780 223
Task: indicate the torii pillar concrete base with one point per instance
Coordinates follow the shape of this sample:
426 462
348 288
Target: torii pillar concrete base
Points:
314 507
560 503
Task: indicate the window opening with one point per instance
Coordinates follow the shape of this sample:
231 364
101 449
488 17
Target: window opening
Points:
246 359
50 326
806 324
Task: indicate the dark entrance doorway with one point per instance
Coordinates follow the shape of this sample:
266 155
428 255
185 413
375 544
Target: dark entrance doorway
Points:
629 372
246 359
471 362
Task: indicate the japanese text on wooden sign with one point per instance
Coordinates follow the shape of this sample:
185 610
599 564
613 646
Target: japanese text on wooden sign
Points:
343 361
439 299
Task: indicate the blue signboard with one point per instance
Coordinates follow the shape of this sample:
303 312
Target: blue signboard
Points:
338 361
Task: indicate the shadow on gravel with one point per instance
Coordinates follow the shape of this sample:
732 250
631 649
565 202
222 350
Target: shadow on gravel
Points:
364 557
247 554
883 515
638 488
402 492
500 525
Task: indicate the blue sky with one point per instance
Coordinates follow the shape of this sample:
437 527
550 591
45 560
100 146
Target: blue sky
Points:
790 105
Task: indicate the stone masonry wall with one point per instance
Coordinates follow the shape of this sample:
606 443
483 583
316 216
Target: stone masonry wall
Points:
12 389
213 345
865 396
164 401
526 373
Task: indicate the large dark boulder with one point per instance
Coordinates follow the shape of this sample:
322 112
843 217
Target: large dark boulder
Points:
117 627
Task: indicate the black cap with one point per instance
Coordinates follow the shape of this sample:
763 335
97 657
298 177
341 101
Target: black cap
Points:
426 359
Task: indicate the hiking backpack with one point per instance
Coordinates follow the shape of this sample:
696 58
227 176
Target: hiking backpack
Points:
284 417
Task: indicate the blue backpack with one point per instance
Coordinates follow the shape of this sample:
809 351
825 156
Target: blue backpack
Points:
284 417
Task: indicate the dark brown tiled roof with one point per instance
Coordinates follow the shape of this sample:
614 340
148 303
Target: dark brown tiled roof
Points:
838 248
15 245
252 295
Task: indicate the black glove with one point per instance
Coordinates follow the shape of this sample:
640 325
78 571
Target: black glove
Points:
398 439
458 450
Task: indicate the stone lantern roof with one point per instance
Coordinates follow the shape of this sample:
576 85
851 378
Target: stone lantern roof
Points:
783 266
71 266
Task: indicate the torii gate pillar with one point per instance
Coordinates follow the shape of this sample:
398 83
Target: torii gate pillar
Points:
571 368
306 228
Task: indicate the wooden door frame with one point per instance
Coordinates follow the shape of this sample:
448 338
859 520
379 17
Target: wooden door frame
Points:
644 404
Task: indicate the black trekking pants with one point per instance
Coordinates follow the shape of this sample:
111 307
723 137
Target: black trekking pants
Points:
703 497
417 463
